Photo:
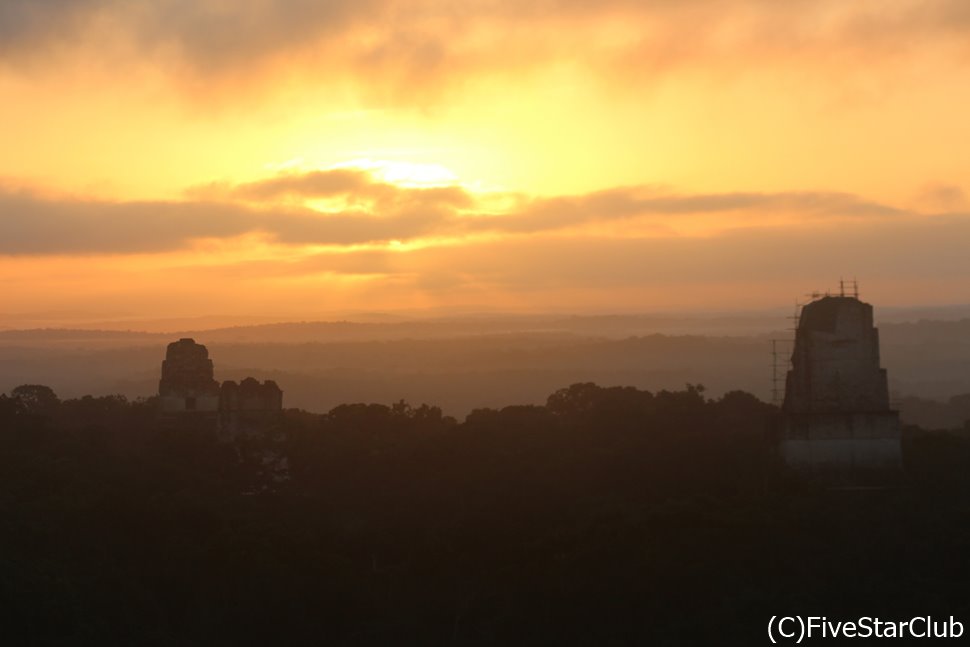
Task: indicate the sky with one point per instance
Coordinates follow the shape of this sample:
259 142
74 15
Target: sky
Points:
317 158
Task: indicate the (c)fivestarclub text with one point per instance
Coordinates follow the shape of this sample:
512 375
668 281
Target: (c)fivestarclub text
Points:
795 629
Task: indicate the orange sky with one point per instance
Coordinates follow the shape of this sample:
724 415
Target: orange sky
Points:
302 158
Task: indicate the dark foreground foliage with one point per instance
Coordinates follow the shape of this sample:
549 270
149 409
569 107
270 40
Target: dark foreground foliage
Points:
607 517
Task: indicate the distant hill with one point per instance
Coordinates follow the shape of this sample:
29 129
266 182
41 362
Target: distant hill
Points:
72 334
466 363
613 326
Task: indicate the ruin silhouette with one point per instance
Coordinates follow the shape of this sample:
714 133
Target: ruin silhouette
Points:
187 389
188 393
837 421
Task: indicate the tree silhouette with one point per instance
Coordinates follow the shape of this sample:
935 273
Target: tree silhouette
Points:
612 515
37 399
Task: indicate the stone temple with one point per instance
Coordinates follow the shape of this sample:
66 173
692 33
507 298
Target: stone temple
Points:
837 419
189 394
187 384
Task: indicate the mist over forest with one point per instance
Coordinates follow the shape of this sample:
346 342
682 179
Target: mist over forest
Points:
475 481
611 516
465 363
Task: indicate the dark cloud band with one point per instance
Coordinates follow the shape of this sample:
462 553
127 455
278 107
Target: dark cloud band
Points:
374 212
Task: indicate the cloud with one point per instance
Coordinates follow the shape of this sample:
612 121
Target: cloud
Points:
32 225
348 183
375 212
396 47
307 185
211 33
540 253
903 250
359 262
27 25
632 202
944 197
727 271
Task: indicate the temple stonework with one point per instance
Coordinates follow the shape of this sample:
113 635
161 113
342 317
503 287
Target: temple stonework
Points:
188 393
249 405
837 419
187 384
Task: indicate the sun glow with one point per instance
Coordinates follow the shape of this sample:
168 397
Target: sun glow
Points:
404 174
182 159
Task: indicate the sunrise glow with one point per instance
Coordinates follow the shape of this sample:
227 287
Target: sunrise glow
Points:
405 155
